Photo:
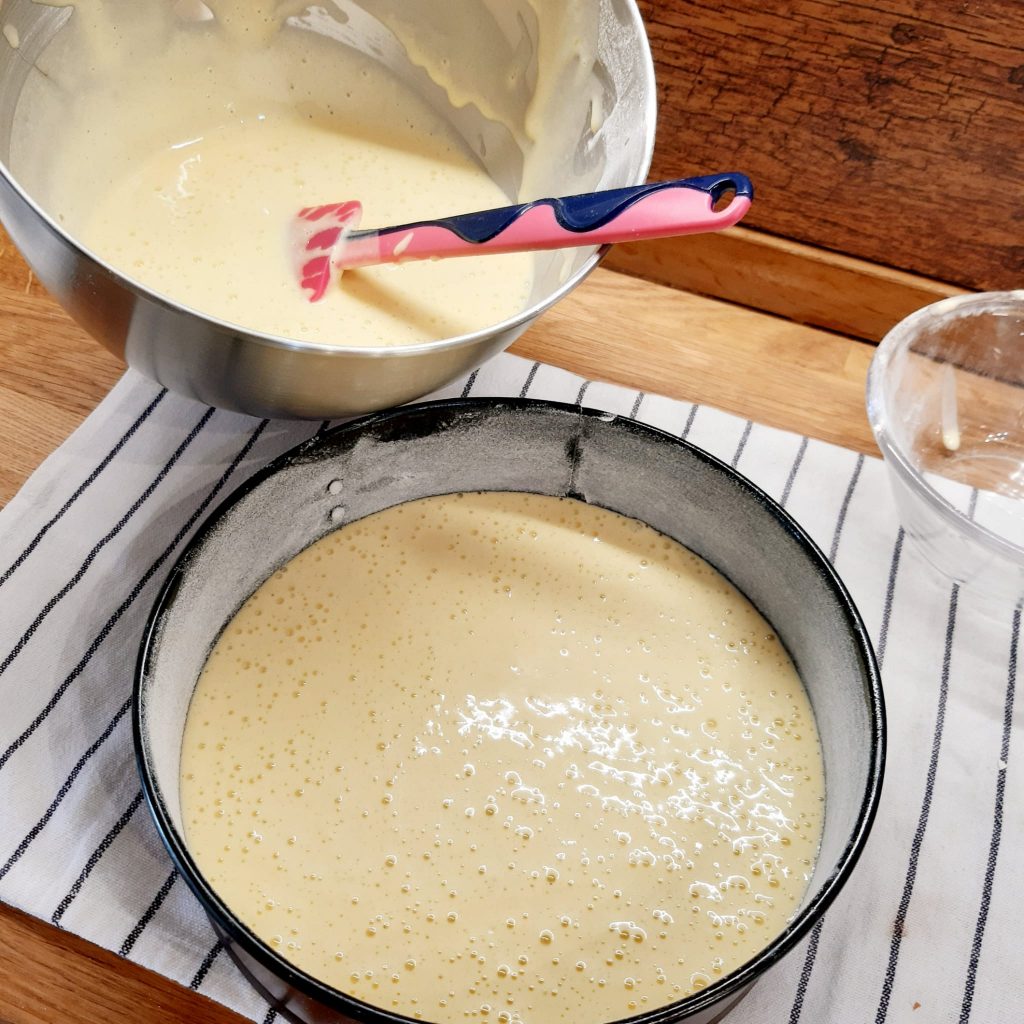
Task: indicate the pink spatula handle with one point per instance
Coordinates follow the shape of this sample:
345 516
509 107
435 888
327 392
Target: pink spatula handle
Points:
620 215
658 210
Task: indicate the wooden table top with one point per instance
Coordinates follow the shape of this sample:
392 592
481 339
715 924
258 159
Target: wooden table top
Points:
614 328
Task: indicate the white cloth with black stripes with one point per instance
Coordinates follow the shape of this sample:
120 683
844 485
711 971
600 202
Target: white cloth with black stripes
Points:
928 928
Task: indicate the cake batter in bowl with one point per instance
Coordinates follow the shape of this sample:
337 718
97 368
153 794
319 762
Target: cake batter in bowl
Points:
153 154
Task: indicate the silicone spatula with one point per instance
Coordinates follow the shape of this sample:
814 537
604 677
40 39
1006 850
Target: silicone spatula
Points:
327 241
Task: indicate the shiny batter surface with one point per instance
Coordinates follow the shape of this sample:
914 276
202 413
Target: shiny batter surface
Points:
504 757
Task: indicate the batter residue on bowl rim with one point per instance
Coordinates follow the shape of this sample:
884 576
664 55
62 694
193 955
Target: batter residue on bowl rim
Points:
504 757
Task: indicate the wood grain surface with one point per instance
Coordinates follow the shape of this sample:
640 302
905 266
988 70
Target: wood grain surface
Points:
777 275
884 129
51 977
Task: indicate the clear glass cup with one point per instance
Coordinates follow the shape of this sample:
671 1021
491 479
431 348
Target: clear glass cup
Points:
945 399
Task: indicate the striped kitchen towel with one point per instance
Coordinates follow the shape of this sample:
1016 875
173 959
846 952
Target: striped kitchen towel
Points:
928 928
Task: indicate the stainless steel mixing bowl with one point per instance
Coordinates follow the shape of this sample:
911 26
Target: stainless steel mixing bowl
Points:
225 365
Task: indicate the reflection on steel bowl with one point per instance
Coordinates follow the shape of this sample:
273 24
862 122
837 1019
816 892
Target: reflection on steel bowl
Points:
153 153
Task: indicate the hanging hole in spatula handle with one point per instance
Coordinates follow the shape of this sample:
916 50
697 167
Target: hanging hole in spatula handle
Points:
723 188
